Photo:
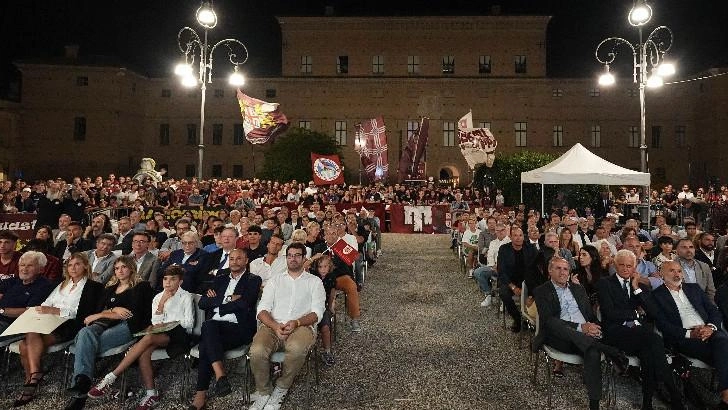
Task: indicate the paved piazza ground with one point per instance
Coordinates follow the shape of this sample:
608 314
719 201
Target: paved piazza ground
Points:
426 344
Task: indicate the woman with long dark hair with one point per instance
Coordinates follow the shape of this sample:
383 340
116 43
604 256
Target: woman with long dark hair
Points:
589 270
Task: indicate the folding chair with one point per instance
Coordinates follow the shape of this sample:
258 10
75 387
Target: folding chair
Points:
58 347
5 357
527 322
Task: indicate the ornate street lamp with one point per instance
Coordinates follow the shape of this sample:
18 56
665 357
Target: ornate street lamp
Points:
648 62
193 47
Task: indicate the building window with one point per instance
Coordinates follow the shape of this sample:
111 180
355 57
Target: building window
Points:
634 136
484 124
413 64
557 92
594 92
306 64
340 132
216 134
82 81
190 171
305 124
237 171
378 64
163 134
484 66
596 136
191 134
448 133
520 62
412 127
342 65
79 128
521 129
680 136
238 134
656 131
166 93
558 135
217 171
632 92
219 93
448 65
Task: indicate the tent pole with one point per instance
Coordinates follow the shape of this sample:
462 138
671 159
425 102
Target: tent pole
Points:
542 195
521 191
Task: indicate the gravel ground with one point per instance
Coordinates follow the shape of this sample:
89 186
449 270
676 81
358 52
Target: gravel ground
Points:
426 344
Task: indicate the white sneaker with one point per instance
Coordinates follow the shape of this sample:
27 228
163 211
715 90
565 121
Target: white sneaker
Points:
253 396
500 309
260 402
486 302
470 273
276 399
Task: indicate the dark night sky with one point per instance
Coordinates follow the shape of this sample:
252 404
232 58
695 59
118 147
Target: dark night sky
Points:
143 33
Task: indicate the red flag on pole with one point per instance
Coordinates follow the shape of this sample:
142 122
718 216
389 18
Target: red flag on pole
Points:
326 169
372 143
345 252
261 120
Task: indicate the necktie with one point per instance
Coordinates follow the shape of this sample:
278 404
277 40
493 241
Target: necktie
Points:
223 261
626 287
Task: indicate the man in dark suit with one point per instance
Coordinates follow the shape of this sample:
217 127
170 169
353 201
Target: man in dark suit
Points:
231 302
602 206
706 253
516 261
620 298
689 322
567 323
193 260
74 242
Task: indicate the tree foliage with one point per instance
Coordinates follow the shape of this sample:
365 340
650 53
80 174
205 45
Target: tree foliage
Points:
290 156
506 175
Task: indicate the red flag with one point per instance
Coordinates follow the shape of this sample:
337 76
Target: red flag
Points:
372 138
344 251
261 120
326 169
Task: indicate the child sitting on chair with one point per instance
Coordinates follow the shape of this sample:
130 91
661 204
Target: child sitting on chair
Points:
173 304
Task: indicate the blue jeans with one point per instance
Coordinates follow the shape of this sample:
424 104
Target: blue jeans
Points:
482 275
95 339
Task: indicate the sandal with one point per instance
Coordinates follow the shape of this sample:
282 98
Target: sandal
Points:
30 389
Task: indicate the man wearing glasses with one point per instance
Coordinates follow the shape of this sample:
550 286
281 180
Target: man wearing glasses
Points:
291 306
192 259
147 264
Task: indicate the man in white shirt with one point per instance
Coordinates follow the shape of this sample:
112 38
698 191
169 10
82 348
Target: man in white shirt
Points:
291 306
272 264
483 274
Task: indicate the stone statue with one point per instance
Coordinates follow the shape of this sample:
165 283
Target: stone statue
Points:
146 170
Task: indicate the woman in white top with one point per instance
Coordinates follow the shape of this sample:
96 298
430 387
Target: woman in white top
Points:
173 304
74 299
470 244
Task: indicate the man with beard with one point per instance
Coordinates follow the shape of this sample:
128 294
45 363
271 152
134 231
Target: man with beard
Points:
705 243
50 204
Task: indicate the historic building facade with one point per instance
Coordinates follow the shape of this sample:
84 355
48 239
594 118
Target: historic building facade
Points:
82 116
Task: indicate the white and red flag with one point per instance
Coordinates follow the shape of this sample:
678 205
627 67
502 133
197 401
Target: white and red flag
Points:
262 120
371 144
345 252
326 169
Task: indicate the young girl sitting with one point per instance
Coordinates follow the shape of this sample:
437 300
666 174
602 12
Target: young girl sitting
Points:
173 304
323 269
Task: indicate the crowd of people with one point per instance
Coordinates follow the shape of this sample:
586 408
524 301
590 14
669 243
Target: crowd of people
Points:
599 283
269 281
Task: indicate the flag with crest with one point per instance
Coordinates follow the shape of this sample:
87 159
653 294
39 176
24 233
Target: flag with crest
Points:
262 120
371 145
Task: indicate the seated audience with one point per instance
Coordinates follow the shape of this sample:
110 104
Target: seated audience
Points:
28 289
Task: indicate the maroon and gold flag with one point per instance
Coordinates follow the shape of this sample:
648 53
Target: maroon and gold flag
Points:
326 169
261 120
372 147
411 164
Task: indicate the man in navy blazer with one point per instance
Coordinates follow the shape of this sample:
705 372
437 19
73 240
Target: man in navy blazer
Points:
231 302
193 260
689 322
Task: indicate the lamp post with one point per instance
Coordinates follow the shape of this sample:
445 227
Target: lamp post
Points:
358 145
192 46
646 55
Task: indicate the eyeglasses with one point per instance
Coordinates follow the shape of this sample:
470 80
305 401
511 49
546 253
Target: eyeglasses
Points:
188 243
139 241
294 255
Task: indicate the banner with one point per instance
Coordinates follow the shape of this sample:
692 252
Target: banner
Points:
477 146
411 165
261 120
344 251
326 169
371 145
22 224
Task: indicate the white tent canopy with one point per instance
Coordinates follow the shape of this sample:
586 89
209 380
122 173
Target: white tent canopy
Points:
578 165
